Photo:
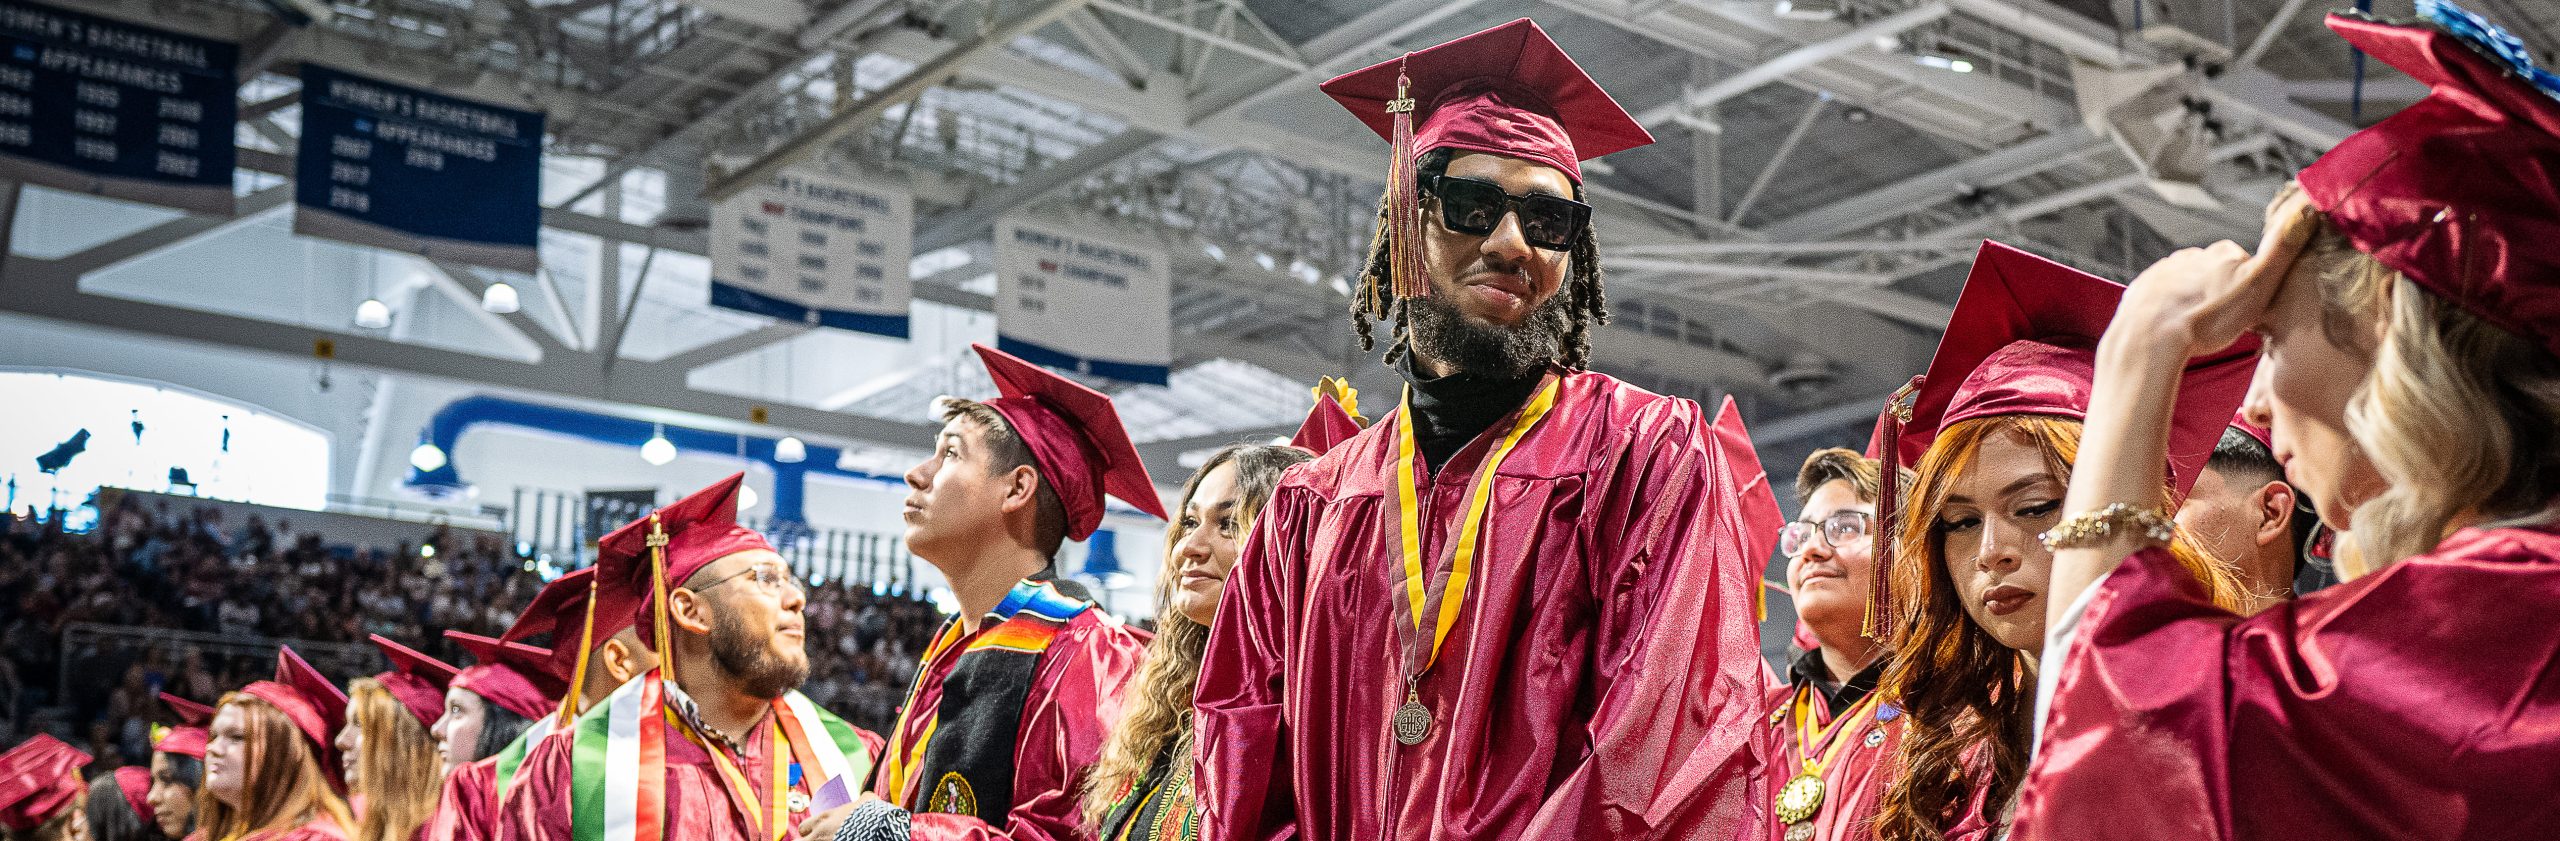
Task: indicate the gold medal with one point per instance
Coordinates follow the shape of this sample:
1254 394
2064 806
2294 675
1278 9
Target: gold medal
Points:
1799 799
1412 722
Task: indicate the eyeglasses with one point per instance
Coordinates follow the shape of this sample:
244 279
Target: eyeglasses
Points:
1841 527
773 577
1475 207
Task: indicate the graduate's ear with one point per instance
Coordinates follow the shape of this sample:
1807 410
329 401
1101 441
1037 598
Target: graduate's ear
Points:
689 611
2276 501
1021 488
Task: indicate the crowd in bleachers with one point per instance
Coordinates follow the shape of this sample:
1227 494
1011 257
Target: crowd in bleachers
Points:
255 581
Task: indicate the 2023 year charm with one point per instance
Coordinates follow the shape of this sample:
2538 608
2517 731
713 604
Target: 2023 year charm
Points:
1413 720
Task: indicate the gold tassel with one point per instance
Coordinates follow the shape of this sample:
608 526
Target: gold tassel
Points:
576 695
1880 616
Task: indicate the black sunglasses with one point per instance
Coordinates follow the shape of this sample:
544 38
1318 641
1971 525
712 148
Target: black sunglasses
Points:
1474 207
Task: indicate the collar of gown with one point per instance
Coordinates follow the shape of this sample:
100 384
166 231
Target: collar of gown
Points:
1450 411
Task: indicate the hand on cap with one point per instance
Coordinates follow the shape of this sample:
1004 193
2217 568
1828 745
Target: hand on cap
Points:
2200 300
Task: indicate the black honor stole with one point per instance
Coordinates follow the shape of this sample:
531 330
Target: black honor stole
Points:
968 767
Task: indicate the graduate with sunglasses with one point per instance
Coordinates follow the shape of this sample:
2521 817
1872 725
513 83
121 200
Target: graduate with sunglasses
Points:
1520 605
716 743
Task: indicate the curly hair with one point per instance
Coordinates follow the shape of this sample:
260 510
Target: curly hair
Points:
1586 302
1968 700
1157 716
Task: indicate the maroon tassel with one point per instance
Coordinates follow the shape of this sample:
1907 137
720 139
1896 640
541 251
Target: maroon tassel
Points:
1404 199
1882 618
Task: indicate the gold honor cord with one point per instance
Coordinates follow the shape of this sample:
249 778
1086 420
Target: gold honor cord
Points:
1412 721
1802 796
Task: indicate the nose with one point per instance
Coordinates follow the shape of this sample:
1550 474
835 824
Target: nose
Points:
1194 547
795 596
1507 247
2003 545
918 475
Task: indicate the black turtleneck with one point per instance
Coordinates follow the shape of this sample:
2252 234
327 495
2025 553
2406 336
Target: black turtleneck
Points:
1450 411
1810 668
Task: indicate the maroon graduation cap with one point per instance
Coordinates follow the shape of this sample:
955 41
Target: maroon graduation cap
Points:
39 779
1076 437
2457 191
416 680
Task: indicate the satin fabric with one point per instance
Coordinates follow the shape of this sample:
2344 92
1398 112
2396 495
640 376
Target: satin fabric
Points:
1602 680
468 809
1074 700
2414 702
1854 782
699 806
2459 191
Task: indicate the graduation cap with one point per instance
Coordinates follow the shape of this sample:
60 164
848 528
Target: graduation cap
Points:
2023 341
416 680
134 782
1329 423
515 676
189 738
1508 90
311 701
640 562
558 614
1076 438
2456 191
39 779
1761 520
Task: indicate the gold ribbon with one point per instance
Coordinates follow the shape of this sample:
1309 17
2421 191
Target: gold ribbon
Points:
1462 557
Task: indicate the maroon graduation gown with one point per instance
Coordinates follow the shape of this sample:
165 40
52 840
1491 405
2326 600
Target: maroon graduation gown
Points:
2420 701
698 805
1603 678
1074 701
468 811
1854 782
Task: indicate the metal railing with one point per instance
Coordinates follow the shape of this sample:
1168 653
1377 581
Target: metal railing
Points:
94 656
560 528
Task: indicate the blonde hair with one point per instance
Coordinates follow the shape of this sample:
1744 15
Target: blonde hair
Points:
1968 699
2460 418
1157 716
397 766
282 783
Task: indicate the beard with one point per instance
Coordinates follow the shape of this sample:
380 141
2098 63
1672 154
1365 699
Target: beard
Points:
747 656
1447 336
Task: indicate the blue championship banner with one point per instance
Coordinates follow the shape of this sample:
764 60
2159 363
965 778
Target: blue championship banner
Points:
100 106
1084 299
397 167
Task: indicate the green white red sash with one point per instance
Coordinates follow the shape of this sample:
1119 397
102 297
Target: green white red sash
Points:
618 773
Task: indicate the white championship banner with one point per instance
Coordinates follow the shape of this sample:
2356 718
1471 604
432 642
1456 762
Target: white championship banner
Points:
818 249
1084 299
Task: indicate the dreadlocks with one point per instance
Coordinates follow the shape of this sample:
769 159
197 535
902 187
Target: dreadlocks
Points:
1586 304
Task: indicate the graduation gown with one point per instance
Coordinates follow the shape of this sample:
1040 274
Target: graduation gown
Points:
1602 680
1073 701
317 829
1855 780
2415 702
468 811
698 805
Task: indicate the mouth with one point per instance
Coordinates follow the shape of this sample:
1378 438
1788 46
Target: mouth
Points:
1194 576
911 509
2007 599
1503 289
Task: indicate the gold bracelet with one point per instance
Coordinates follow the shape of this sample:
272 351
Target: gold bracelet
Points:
2090 528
